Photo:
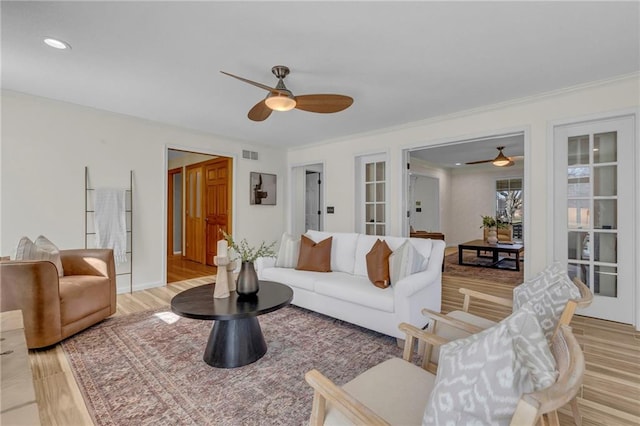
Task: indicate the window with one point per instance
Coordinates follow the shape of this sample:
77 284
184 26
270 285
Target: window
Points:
509 204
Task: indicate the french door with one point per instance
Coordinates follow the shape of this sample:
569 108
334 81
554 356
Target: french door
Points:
594 198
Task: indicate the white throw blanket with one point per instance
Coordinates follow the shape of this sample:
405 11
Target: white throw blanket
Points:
110 221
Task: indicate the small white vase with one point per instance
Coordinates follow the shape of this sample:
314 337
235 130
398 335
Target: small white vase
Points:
492 236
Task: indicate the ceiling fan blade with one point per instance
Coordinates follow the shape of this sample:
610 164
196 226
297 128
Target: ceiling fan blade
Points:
259 112
479 162
323 103
255 83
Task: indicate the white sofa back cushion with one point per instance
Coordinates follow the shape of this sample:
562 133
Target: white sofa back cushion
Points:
343 249
365 242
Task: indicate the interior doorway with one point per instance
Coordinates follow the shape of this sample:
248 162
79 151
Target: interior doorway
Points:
461 182
424 203
199 205
307 198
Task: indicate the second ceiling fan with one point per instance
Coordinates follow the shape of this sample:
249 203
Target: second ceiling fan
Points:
281 99
501 160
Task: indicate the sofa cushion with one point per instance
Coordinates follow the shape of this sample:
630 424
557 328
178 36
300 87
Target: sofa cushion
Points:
363 246
41 249
343 248
404 261
424 247
314 256
378 264
482 377
288 252
292 277
355 289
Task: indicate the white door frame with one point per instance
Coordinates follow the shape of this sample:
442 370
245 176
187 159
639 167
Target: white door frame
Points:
293 207
635 231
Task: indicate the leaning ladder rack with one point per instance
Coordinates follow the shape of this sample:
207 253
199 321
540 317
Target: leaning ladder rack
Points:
88 189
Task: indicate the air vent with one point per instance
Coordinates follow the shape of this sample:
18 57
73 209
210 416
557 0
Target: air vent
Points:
249 155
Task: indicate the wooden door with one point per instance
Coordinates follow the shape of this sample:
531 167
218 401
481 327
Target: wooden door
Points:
194 220
217 204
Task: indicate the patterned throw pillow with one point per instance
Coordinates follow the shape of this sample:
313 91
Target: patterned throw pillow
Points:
314 256
481 378
548 292
42 249
378 264
404 261
288 252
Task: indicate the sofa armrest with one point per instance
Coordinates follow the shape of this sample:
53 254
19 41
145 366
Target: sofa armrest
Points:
262 263
33 287
416 282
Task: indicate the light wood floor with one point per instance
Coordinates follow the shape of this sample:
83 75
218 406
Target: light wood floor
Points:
179 269
609 395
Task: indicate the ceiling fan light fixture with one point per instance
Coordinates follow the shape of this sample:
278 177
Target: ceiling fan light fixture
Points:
502 162
278 102
56 43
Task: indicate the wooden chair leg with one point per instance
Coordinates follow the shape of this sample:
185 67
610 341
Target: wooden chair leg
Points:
553 418
577 417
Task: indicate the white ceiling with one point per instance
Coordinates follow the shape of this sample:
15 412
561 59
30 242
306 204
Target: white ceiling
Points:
401 62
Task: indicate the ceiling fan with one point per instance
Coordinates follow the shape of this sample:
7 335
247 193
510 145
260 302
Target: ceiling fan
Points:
281 99
501 160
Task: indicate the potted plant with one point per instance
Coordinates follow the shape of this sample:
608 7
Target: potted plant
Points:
247 281
491 224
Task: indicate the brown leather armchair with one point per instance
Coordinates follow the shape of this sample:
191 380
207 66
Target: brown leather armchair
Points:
53 307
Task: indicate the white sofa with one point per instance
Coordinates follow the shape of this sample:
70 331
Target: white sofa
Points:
347 294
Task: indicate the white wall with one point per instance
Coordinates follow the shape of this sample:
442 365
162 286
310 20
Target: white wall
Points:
532 115
46 144
422 168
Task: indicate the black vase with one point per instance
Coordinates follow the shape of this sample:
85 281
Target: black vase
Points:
247 283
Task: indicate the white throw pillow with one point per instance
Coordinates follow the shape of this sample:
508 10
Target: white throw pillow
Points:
481 378
548 292
41 249
288 251
404 261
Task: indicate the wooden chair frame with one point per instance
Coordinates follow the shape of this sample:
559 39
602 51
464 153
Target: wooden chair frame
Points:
586 298
530 410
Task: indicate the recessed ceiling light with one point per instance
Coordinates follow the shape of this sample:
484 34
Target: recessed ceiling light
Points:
596 149
458 164
56 44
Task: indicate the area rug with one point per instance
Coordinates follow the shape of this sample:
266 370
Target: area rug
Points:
503 276
147 368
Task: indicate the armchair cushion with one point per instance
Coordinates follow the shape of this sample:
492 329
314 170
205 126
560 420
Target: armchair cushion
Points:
41 249
396 390
482 377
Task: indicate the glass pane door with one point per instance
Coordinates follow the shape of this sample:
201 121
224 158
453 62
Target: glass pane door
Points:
375 197
593 205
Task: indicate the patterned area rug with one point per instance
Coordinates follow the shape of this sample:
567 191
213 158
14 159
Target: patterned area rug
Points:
503 276
146 368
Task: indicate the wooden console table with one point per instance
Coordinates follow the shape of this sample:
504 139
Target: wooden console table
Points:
19 406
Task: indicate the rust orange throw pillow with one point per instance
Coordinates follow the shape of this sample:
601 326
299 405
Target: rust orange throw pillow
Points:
378 264
314 256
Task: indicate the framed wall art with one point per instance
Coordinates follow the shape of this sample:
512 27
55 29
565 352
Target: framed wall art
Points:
262 189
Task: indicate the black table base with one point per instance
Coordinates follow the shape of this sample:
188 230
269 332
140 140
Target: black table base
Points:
235 343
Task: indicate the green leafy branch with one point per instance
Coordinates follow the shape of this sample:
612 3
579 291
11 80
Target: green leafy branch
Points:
248 253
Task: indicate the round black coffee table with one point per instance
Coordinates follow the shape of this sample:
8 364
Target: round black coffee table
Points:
236 337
